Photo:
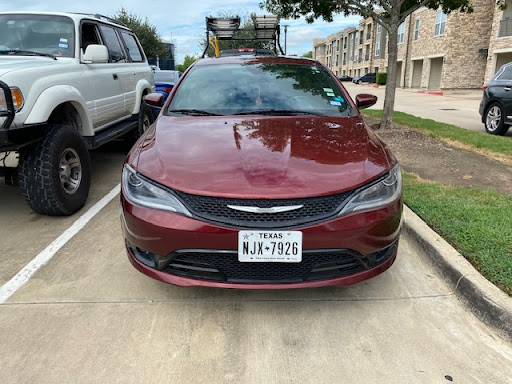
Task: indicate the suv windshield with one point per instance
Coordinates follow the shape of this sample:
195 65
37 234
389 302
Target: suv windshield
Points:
260 88
44 35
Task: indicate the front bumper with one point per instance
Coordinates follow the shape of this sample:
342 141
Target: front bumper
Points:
183 251
13 137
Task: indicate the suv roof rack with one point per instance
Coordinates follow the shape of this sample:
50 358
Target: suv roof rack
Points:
266 28
102 17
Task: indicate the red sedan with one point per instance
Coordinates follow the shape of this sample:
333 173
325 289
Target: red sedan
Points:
260 173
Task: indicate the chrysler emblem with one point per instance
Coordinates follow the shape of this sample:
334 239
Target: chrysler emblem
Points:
265 210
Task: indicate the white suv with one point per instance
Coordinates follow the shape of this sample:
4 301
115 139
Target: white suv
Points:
68 83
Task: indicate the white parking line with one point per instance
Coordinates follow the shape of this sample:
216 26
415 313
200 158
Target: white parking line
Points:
9 288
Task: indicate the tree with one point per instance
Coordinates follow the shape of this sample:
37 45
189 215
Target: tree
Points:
187 62
309 54
146 33
388 13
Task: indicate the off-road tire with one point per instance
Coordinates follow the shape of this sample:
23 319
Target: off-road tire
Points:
54 175
145 119
495 120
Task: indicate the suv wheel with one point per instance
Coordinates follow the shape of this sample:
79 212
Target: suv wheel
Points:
145 120
360 82
54 175
495 120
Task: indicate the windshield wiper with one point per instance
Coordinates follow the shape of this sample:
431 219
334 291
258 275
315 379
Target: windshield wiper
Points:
193 112
28 53
279 112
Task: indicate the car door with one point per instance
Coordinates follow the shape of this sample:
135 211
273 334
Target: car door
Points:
100 82
121 69
501 90
138 69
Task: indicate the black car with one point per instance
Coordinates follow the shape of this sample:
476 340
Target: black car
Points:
368 78
496 104
345 78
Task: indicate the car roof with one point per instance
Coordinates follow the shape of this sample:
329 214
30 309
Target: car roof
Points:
264 59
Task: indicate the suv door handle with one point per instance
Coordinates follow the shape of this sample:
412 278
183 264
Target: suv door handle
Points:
114 76
507 89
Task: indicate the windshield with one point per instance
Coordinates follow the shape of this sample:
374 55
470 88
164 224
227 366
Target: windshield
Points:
36 34
254 87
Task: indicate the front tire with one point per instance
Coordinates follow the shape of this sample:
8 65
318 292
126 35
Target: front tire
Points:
495 120
54 175
360 82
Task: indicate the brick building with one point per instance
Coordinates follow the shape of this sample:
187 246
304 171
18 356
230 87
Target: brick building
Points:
435 51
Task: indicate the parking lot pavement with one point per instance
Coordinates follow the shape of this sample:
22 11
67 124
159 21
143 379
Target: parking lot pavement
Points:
24 233
456 108
89 316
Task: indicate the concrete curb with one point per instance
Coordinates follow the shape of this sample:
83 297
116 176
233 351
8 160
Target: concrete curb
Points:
485 300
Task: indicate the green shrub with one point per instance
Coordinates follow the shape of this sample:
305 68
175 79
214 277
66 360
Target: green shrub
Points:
381 78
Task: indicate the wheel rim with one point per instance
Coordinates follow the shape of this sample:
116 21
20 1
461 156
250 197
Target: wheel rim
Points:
70 170
493 118
145 123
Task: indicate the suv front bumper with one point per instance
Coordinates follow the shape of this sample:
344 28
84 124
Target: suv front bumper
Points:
13 137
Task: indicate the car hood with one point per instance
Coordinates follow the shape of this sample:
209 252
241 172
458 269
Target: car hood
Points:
16 63
260 157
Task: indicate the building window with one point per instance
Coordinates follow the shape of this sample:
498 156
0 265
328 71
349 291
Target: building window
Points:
440 23
417 29
401 33
506 21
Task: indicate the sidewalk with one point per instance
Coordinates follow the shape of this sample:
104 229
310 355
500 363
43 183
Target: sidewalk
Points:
459 108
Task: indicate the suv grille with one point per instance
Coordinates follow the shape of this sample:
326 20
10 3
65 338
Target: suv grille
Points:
216 209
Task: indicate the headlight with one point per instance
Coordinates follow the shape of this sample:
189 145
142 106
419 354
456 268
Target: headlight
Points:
377 195
141 191
17 99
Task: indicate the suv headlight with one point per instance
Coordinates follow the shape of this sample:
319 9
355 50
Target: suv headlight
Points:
142 191
17 99
380 194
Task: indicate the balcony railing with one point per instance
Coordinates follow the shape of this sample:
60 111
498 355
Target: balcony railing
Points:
505 27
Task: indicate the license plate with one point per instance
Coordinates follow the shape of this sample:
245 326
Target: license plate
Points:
270 246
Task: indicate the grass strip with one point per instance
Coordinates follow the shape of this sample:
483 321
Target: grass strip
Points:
476 222
479 140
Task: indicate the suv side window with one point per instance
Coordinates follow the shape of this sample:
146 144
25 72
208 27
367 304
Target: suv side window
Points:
115 50
90 35
133 48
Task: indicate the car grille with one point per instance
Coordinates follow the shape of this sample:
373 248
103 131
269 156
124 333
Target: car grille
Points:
216 209
315 265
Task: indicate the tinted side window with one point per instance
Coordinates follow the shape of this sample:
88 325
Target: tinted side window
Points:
115 50
90 35
506 75
134 51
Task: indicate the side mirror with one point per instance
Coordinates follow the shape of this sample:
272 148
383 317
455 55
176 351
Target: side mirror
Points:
364 100
95 53
156 100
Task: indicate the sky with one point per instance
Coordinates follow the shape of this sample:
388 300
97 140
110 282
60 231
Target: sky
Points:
183 22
